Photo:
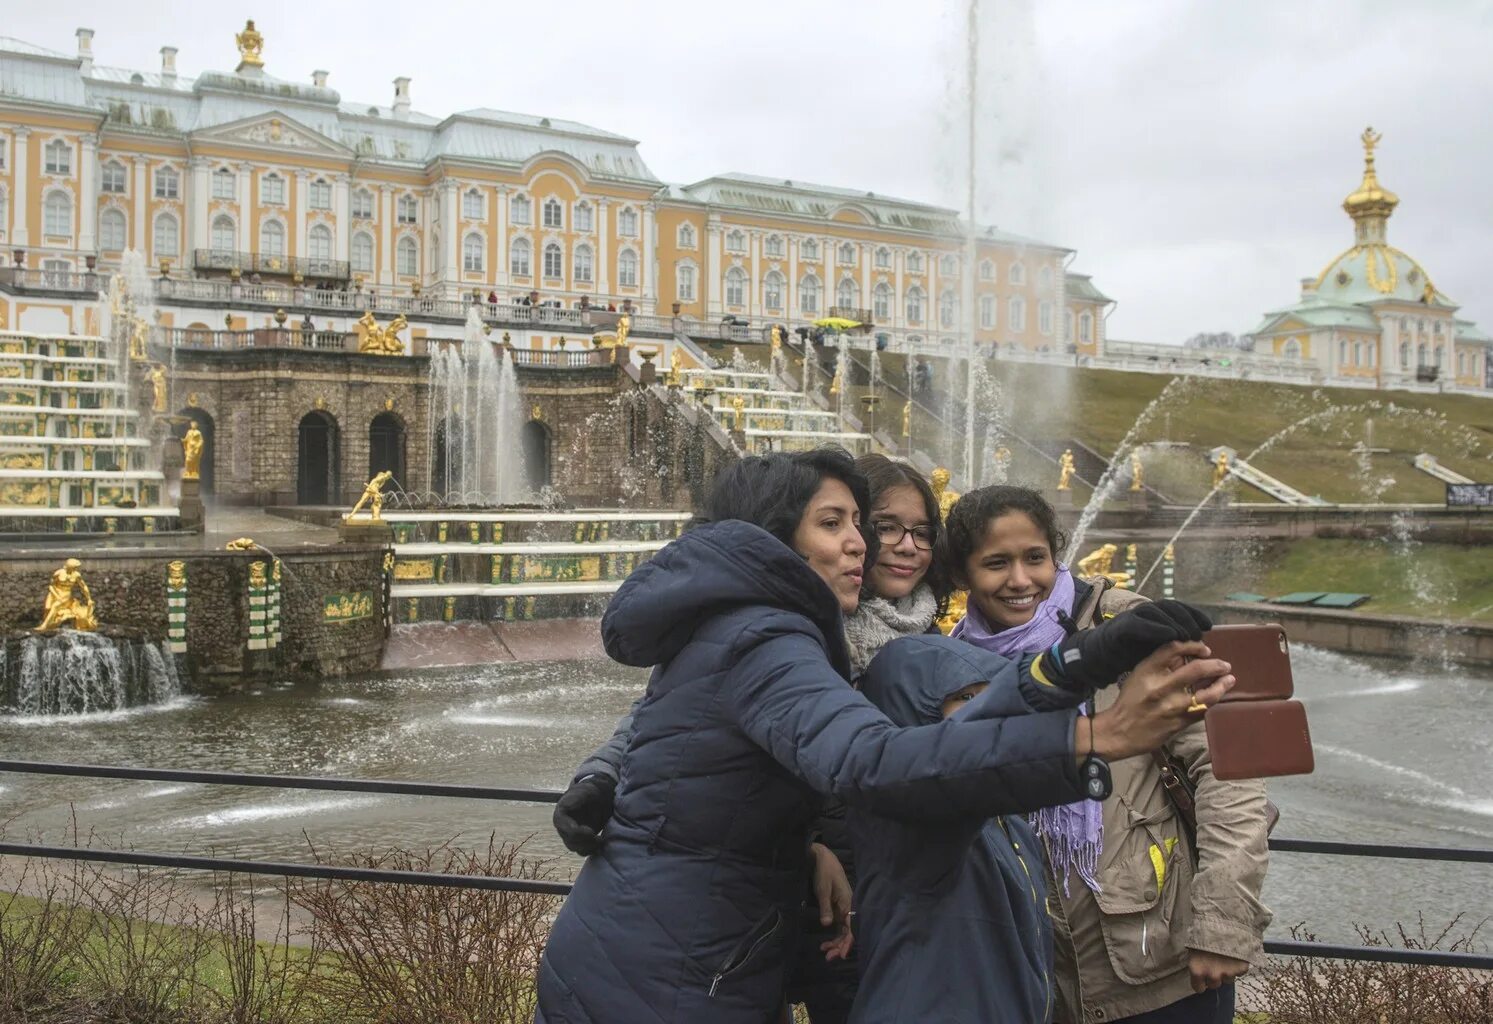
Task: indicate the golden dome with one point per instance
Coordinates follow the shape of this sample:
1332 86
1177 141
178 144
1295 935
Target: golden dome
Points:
1370 199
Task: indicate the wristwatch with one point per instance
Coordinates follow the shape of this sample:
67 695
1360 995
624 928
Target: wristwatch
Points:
1093 771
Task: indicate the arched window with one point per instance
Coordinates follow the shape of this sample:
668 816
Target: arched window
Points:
471 253
627 269
772 290
1044 278
59 158
1404 355
915 300
584 217
1292 349
883 258
881 300
319 195
948 309
272 189
808 294
554 260
57 215
686 283
987 270
225 185
686 236
736 241
362 253
987 312
554 213
1044 317
584 264
809 250
1420 355
1086 327
520 258
847 255
1017 274
520 210
845 293
111 229
167 239
319 243
627 222
272 238
407 257
224 236
471 205
736 287
914 263
112 178
1016 317
773 246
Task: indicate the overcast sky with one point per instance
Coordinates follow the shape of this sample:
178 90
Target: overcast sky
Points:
1195 153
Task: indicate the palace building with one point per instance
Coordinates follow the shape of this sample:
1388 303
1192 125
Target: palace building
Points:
246 176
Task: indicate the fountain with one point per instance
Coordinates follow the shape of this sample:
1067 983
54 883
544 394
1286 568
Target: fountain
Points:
476 415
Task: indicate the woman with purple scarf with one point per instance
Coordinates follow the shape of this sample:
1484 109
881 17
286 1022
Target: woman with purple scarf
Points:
1150 923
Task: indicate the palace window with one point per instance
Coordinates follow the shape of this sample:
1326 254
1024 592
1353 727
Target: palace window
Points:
407 210
847 255
471 205
845 293
883 258
272 189
948 266
809 249
554 261
948 309
167 236
773 246
881 301
225 185
407 257
111 231
585 264
272 238
1292 349
627 269
57 215
772 290
915 298
1342 353
319 243
735 241
914 263
58 158
686 236
520 210
1017 274
224 235
736 287
808 295
362 204
554 214
168 183
987 270
362 252
520 258
471 253
320 195
584 216
1044 317
1016 314
1086 328
1404 355
686 283
627 222
987 312
1044 278
112 178
1438 356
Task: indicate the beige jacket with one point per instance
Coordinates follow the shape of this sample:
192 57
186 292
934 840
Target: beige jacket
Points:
1123 951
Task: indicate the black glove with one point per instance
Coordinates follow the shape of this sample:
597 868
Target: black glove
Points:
582 812
1093 658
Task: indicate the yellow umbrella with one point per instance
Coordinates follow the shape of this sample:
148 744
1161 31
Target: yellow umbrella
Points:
838 323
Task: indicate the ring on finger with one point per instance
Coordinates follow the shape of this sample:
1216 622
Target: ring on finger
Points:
1196 704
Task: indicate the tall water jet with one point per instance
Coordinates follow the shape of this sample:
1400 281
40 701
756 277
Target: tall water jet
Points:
475 416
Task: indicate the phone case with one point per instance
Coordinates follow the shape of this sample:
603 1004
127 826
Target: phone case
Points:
1260 657
1259 739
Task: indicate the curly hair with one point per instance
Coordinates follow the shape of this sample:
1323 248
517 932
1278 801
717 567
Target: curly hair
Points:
972 513
883 474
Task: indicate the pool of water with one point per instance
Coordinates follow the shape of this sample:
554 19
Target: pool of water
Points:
1404 755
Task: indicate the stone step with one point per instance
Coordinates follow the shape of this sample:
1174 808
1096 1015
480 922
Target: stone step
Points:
535 548
537 589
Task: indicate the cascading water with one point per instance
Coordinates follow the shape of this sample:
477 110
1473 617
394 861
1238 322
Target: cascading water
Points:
842 373
74 673
476 416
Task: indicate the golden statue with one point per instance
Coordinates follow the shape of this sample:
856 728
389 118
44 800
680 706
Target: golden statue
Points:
250 46
1066 469
834 385
738 409
157 378
1099 562
1428 294
1220 470
776 338
381 341
1137 472
676 360
907 419
939 479
137 338
624 325
241 544
191 451
64 606
373 496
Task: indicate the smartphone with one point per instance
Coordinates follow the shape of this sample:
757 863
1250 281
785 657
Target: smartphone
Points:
1259 739
1261 660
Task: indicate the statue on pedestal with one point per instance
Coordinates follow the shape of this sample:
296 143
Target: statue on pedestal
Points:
1099 562
191 452
776 338
157 379
1137 472
1221 470
381 341
69 602
1066 469
676 361
373 496
738 408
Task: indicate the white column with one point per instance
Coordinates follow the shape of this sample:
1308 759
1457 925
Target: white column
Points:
342 206
142 223
754 284
790 294
603 248
385 235
500 222
649 269
248 237
88 196
899 302
867 257
713 269
199 191
449 239
20 205
297 213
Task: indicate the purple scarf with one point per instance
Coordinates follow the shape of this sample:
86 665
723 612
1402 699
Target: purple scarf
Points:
1072 833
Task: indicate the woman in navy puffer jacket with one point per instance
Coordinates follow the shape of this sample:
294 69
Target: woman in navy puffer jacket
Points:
687 912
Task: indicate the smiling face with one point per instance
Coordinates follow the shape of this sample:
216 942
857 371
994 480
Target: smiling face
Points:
900 563
1010 571
829 539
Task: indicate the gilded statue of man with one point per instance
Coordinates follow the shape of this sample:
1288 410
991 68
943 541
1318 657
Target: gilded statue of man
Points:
191 450
69 602
1137 472
939 479
373 496
157 378
1066 468
1221 470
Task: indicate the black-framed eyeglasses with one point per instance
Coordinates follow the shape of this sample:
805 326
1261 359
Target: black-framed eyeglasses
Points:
889 533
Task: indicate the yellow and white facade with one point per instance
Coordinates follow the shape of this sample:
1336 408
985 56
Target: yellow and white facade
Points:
243 175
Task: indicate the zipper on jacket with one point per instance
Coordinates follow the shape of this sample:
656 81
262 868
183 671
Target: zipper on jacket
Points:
746 948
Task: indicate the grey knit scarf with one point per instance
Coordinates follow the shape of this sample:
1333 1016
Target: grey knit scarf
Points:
877 622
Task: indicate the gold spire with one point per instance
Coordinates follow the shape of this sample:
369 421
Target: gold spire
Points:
250 46
1370 199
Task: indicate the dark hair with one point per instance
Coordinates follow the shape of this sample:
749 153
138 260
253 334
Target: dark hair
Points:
773 490
883 474
971 514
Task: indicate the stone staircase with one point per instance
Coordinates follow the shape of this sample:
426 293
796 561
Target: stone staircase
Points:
773 418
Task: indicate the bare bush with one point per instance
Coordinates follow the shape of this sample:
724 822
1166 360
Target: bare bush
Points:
264 981
40 935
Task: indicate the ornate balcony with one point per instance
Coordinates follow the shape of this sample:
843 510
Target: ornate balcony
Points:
265 263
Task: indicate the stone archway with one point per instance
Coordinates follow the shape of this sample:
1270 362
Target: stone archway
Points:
318 460
534 440
207 469
386 447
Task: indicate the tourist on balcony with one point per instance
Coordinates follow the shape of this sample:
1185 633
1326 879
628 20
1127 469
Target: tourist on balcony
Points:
1152 924
492 300
687 911
307 327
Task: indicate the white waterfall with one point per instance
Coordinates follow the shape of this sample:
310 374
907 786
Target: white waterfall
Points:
73 673
476 417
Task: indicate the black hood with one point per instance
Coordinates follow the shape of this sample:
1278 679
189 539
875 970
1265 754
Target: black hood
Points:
912 676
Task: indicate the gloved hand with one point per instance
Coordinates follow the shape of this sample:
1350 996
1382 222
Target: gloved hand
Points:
582 812
1097 657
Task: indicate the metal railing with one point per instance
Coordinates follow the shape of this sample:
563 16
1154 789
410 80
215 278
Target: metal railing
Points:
388 787
269 263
